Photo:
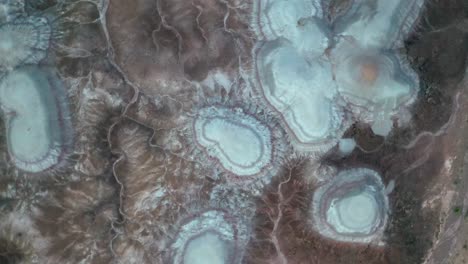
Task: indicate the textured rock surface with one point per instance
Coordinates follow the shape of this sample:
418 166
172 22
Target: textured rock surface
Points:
352 206
240 143
233 131
37 116
24 41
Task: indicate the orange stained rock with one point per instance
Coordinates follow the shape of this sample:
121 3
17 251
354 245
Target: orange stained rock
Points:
368 73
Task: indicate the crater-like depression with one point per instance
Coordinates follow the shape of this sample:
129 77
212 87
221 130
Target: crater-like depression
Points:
206 248
34 106
208 237
375 84
352 206
237 141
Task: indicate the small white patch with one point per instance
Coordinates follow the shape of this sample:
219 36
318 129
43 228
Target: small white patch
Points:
390 187
346 146
217 78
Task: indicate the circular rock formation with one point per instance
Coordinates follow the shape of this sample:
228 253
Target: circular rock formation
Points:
240 143
375 84
38 124
351 207
301 90
209 237
367 77
24 41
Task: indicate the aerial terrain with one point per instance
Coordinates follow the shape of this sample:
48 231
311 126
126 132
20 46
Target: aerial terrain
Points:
234 131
